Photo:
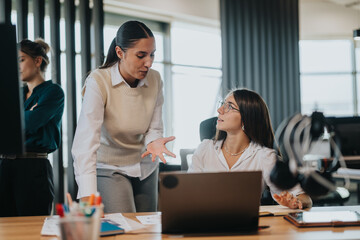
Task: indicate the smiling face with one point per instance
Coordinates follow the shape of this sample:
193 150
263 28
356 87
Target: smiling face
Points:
29 67
229 121
137 60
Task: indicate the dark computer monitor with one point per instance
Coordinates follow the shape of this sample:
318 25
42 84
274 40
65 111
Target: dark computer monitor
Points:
11 99
347 134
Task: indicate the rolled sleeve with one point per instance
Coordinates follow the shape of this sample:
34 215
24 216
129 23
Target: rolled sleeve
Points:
87 184
156 127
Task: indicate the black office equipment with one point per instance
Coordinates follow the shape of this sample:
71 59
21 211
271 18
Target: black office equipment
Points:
295 136
11 99
347 131
210 202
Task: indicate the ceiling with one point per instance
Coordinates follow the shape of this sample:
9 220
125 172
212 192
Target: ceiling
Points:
318 19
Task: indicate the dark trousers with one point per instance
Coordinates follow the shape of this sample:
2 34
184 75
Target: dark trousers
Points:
26 187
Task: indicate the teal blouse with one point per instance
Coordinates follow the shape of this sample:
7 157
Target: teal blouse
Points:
43 112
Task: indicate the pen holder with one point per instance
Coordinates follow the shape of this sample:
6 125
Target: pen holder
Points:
85 227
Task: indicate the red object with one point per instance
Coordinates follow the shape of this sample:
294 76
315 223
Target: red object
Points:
60 210
98 200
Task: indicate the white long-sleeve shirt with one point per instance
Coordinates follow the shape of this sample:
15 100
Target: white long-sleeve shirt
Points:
88 131
209 157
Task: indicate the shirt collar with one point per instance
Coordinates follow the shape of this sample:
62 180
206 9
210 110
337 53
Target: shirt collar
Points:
116 77
218 145
40 86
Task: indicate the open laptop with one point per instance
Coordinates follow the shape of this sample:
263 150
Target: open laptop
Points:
210 202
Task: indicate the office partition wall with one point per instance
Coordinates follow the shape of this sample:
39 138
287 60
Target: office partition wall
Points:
22 12
54 11
5 11
39 17
98 21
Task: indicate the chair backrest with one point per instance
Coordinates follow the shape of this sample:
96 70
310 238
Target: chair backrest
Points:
183 155
208 128
207 131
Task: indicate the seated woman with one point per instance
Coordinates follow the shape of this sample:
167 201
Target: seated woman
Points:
243 142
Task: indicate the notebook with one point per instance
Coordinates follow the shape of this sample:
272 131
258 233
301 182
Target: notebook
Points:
110 228
209 202
324 219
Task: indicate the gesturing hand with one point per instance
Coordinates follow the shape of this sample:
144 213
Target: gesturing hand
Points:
157 148
287 199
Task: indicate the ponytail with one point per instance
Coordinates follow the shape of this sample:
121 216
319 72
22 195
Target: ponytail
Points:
111 57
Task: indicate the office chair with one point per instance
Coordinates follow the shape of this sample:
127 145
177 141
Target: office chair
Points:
184 153
207 131
208 128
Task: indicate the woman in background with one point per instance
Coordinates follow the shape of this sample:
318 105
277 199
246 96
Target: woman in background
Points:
120 124
243 142
26 180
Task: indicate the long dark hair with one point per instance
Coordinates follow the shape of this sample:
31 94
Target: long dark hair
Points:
255 117
126 37
37 48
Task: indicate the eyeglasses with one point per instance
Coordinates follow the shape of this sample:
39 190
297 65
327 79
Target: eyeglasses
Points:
227 106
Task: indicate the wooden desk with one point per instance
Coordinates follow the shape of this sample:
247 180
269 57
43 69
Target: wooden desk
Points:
28 228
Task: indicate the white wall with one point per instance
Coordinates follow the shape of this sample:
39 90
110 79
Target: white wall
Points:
203 12
324 19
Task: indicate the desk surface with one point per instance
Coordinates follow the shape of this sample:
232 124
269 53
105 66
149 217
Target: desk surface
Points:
28 228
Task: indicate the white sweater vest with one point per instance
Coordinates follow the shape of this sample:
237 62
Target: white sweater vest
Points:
127 117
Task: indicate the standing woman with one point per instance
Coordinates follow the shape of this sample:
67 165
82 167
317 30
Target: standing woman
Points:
26 180
244 142
121 117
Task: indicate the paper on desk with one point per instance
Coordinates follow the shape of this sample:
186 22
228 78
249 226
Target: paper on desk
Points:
276 210
51 224
126 223
134 224
119 219
149 219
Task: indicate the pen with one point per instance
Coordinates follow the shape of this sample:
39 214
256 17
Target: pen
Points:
263 227
98 199
92 199
88 212
69 199
66 209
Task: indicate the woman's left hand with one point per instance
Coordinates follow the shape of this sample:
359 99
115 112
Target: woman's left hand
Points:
157 148
287 199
